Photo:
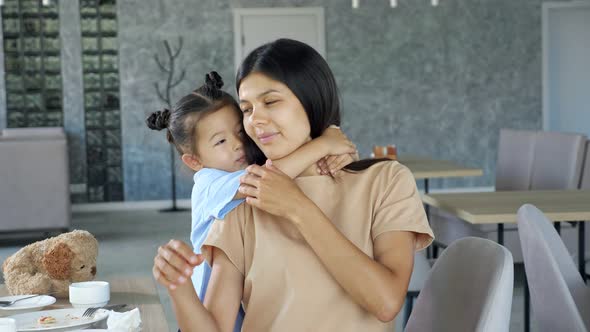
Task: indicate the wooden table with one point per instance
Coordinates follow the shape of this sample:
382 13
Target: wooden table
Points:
136 292
501 207
424 168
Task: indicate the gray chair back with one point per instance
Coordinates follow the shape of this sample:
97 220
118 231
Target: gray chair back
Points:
515 159
585 181
558 161
469 288
560 299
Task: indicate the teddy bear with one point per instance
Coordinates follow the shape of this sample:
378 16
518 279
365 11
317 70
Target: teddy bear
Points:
49 266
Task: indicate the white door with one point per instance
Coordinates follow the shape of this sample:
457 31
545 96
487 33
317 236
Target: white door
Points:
566 62
256 26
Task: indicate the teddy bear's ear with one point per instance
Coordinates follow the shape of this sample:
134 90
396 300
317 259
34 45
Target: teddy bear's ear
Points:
56 261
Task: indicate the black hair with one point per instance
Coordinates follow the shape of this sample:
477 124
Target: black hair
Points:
181 121
305 72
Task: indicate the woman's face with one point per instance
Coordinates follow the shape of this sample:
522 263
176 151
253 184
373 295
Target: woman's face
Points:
273 116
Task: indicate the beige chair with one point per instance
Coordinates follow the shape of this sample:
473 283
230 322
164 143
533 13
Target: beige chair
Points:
560 298
585 180
469 288
34 195
513 172
558 161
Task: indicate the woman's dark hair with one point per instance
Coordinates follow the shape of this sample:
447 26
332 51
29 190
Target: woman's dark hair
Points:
305 72
181 121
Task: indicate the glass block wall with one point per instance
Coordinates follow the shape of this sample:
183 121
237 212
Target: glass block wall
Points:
32 62
101 100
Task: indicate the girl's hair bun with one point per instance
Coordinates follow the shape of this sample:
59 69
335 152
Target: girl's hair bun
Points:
213 80
158 120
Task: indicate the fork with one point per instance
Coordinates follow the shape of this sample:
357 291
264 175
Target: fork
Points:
9 303
91 311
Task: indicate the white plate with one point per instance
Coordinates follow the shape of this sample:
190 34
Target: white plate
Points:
67 320
32 304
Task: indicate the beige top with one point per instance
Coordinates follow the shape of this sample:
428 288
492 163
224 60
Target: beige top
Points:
286 287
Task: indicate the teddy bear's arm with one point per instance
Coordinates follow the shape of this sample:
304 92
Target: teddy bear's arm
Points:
22 277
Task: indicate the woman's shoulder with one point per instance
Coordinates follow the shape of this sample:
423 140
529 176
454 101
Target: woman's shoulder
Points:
384 170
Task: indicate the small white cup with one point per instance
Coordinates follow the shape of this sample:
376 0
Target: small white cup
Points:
7 325
90 294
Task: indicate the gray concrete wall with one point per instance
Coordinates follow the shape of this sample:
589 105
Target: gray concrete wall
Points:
435 81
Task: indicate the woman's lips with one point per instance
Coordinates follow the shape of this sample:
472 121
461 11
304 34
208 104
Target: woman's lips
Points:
267 138
241 160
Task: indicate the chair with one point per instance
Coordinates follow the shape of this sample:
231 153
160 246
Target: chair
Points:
515 159
560 299
513 172
558 161
34 195
417 280
469 288
585 180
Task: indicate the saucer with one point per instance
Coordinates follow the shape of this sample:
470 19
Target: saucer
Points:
32 304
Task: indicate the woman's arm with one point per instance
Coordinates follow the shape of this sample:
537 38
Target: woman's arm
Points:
382 286
221 303
383 283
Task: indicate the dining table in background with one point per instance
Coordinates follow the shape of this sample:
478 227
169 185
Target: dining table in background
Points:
424 168
500 207
136 292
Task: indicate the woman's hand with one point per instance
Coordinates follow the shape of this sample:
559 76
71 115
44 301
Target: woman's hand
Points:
269 189
174 264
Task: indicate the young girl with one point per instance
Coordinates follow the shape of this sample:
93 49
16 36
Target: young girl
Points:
206 129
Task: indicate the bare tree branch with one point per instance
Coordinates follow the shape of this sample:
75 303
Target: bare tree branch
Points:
162 68
160 95
180 44
168 50
179 79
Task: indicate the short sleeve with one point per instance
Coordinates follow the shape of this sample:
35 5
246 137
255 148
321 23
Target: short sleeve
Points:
217 190
399 207
228 236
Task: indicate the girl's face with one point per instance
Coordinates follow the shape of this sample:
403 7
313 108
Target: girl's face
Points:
273 116
219 140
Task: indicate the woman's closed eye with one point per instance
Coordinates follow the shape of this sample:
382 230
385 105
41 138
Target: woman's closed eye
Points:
221 141
271 102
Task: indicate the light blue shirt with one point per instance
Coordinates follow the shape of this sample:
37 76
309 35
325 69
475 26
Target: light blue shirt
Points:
211 198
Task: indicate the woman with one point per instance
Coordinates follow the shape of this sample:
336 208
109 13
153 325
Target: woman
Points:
314 253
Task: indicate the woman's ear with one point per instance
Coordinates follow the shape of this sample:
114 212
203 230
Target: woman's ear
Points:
57 260
191 161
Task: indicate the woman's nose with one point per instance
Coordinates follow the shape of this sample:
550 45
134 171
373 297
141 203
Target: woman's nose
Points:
258 116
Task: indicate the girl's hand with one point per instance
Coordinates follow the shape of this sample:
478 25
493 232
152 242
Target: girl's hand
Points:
269 189
336 143
174 264
333 164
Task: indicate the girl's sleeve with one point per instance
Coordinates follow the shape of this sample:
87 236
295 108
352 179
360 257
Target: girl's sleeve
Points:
217 190
399 206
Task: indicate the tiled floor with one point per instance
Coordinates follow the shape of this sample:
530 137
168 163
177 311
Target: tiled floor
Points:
129 239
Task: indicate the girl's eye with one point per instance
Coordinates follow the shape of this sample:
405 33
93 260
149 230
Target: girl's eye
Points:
220 142
83 266
247 110
271 102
